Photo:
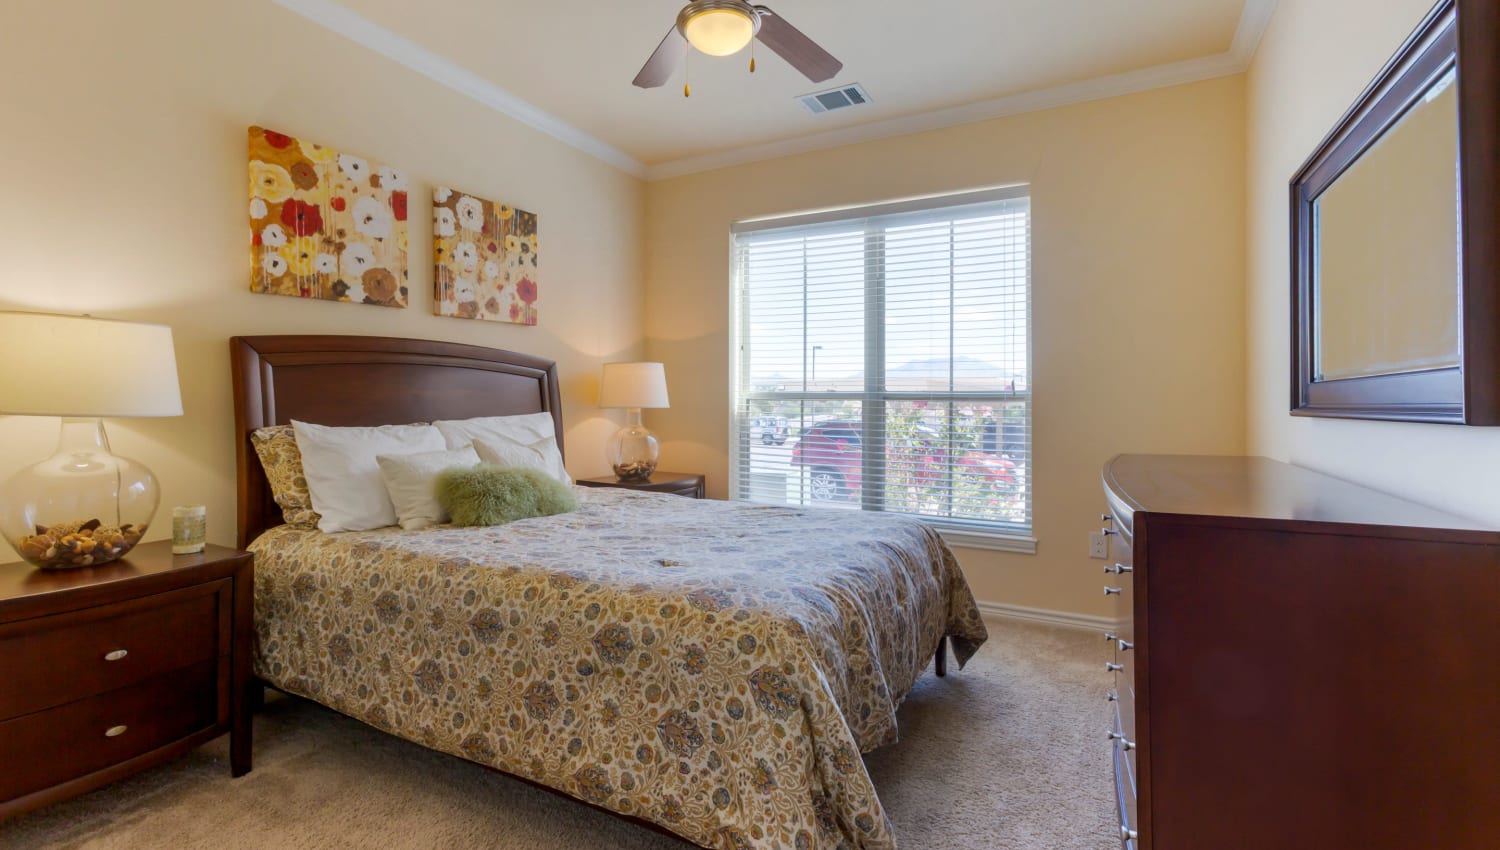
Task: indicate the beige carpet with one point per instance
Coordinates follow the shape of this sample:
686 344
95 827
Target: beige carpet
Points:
1009 754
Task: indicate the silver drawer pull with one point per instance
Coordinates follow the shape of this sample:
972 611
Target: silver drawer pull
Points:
1125 645
116 655
1111 667
114 731
1116 736
1111 696
1106 518
1128 834
1110 637
1111 591
1124 744
1108 531
1118 569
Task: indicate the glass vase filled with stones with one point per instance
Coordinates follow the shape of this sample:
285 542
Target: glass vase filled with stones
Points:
81 507
633 450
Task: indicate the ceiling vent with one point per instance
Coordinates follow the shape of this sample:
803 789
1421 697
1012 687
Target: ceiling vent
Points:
842 97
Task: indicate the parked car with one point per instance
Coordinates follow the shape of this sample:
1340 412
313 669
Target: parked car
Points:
770 430
832 452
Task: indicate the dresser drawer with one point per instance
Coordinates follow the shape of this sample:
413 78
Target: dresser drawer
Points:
73 740
49 661
1125 800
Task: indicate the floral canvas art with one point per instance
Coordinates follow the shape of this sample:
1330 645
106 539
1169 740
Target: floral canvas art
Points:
486 258
324 224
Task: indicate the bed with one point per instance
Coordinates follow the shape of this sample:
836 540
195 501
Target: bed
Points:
713 669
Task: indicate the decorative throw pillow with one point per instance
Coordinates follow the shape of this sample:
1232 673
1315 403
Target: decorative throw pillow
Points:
276 447
343 476
494 495
411 482
536 432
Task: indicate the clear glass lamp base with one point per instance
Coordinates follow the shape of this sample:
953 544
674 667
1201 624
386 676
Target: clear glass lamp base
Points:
81 507
633 450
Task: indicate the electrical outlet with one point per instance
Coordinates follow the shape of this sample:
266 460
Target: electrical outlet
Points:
1098 545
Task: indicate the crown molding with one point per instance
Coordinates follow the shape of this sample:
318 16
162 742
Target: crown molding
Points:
341 20
1252 26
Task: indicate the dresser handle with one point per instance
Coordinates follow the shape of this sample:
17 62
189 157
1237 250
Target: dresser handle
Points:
1106 518
1111 696
116 655
1110 637
1111 667
1111 591
1125 645
1124 744
1108 531
1128 834
1118 569
114 731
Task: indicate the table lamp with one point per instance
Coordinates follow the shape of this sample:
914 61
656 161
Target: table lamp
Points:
84 505
633 450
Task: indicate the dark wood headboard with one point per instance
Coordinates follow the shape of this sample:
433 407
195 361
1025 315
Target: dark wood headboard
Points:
366 380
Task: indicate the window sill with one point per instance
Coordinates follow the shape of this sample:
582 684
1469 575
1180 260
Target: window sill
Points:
969 538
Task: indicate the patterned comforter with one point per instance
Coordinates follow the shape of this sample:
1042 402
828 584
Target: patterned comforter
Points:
716 668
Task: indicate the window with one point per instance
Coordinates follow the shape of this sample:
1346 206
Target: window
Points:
882 363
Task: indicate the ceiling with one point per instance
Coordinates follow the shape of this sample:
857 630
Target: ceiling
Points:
573 62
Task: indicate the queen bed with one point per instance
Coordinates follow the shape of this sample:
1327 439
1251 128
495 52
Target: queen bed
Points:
714 669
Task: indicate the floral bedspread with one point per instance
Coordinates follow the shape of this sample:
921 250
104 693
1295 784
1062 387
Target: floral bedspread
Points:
716 668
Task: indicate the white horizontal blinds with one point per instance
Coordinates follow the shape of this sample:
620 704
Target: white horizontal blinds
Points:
883 362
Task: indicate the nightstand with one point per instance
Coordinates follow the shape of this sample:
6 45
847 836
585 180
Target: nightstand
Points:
110 670
677 483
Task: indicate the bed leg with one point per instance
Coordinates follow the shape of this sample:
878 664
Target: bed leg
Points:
257 697
940 661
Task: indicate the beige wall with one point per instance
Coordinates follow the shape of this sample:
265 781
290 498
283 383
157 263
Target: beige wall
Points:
123 167
1138 226
1316 58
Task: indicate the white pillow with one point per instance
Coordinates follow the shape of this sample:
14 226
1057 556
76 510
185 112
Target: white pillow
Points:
343 476
411 482
541 455
529 440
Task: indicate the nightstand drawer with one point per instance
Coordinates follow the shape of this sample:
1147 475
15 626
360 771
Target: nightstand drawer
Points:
50 661
79 738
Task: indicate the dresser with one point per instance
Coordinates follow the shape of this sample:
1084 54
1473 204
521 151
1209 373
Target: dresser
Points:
687 484
108 670
1301 663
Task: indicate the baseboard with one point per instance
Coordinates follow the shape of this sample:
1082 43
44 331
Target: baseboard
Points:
1065 619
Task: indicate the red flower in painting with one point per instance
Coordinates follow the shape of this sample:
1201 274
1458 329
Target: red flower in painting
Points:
301 218
494 247
398 205
526 290
338 204
515 311
277 140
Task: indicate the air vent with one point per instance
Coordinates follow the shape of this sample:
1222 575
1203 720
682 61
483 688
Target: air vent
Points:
842 97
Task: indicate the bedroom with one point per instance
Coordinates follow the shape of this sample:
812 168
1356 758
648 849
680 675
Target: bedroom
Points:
1155 142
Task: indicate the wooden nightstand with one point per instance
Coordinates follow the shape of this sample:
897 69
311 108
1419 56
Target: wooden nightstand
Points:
677 483
105 671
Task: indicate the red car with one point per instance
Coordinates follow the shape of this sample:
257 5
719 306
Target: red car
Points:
832 450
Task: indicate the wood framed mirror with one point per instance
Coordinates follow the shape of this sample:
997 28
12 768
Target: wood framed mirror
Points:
1395 223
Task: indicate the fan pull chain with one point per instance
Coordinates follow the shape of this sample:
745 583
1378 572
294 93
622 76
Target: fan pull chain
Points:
687 65
752 55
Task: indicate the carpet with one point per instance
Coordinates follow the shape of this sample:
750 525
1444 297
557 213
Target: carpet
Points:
1008 754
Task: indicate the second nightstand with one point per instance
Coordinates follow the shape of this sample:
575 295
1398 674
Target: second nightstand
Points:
677 483
109 670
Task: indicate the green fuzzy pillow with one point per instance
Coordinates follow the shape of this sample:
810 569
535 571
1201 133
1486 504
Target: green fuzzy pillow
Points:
494 495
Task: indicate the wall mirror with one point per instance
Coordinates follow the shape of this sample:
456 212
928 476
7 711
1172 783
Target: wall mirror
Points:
1395 308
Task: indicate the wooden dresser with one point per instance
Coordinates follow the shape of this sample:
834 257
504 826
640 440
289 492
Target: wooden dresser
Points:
1302 663
108 670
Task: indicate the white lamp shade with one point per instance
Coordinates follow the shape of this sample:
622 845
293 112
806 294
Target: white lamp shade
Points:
633 385
77 366
719 32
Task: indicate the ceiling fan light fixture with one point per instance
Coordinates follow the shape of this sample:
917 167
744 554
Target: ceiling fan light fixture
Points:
718 27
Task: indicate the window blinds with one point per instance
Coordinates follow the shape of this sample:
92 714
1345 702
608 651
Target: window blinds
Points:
882 361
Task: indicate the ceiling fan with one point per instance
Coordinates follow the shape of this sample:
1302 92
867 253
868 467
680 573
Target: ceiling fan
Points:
724 27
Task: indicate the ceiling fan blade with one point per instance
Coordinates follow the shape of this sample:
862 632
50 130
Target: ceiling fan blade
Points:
663 63
798 50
